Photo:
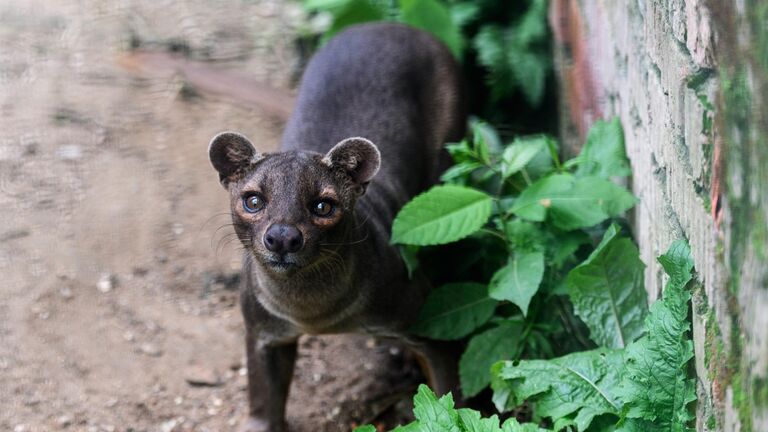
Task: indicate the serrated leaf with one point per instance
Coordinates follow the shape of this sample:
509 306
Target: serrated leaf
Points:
434 17
471 421
519 280
410 427
439 415
441 215
364 428
460 172
571 202
578 386
435 415
461 151
454 311
656 387
603 154
512 425
483 350
518 154
608 291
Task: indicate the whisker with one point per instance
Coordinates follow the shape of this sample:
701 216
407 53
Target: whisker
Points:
207 221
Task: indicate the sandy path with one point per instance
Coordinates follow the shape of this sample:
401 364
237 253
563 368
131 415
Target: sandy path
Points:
116 288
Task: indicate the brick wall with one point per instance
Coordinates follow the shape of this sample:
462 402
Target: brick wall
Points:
689 80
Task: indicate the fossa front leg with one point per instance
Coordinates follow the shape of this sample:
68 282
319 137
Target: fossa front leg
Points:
270 369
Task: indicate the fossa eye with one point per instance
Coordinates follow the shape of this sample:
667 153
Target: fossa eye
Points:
323 208
253 203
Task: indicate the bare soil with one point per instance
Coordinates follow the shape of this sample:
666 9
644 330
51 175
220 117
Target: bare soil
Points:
118 273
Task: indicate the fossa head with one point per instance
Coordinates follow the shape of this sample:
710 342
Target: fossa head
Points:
292 210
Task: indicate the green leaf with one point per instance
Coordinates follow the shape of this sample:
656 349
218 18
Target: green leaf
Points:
434 17
564 244
524 236
461 151
530 71
517 155
353 12
656 387
454 311
439 415
519 280
678 263
483 350
410 256
435 415
533 203
512 425
580 386
441 215
516 56
411 427
463 13
603 154
572 202
364 428
608 292
485 138
460 172
471 421
324 5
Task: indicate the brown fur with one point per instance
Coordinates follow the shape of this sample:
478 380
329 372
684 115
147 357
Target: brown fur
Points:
397 87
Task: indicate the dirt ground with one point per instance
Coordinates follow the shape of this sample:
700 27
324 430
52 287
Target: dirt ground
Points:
118 302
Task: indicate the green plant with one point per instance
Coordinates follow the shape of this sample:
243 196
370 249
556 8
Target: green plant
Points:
642 387
509 42
538 217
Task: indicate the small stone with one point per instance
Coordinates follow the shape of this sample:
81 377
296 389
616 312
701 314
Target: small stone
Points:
20 428
128 336
66 292
169 425
198 376
106 282
370 343
64 420
111 402
69 152
150 350
178 228
178 400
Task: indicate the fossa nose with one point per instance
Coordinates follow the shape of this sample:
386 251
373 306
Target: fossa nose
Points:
282 239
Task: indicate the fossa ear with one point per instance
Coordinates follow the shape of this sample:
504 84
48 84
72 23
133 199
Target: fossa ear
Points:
229 152
358 157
